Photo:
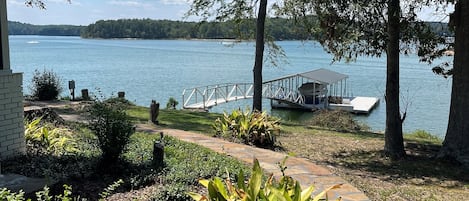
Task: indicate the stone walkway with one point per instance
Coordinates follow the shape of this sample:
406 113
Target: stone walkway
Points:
306 172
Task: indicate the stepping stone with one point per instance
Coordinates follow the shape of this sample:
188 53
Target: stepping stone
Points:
16 182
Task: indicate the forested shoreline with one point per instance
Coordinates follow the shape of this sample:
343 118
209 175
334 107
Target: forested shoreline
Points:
277 29
18 28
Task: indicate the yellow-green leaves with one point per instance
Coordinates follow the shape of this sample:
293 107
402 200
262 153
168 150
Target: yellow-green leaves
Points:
49 138
287 189
250 127
255 181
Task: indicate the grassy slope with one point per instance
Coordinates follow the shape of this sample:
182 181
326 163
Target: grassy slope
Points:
357 157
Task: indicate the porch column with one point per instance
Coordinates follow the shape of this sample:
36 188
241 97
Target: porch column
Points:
4 50
12 142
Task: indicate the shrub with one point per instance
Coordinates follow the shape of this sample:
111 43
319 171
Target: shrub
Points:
337 120
122 102
251 127
172 103
424 135
113 128
284 189
45 85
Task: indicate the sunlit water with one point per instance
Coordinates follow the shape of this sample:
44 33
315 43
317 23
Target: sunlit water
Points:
159 69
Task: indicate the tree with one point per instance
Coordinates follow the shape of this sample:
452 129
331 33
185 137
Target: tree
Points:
456 143
349 29
259 59
394 142
241 12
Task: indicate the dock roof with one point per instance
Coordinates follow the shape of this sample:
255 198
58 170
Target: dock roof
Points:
320 75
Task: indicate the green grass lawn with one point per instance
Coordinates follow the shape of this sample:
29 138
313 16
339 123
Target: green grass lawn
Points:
178 119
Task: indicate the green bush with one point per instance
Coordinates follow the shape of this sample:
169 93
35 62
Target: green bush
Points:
113 128
256 128
338 120
46 85
172 103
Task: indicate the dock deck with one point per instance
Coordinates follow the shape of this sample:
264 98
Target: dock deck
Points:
358 105
210 103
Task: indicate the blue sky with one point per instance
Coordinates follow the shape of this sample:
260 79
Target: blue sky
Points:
84 12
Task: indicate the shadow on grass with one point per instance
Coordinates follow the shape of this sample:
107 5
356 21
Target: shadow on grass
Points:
420 165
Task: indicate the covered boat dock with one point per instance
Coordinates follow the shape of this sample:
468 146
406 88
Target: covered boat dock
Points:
312 90
320 89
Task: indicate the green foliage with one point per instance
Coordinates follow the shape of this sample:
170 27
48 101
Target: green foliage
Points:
185 163
173 192
285 189
46 137
423 135
189 162
45 85
338 120
43 195
7 195
112 126
121 102
172 103
349 29
278 28
110 189
256 128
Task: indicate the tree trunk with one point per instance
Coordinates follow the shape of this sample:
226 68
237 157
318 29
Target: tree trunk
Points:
456 143
257 98
394 143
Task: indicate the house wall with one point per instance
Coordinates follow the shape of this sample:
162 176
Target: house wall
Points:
12 140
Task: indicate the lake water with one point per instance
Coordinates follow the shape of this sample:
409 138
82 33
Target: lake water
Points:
159 69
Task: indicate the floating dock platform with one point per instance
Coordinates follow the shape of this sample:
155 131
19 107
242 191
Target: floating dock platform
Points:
357 105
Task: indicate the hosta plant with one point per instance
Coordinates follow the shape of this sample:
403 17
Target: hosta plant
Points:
256 128
286 189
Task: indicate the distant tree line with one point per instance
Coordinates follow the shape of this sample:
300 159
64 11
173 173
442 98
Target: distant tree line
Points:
18 28
279 28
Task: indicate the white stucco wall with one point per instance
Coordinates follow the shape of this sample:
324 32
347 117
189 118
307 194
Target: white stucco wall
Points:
12 140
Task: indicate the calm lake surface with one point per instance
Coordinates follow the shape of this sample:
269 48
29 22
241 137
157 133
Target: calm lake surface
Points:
159 69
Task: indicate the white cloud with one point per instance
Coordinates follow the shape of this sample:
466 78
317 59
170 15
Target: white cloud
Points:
71 2
175 2
127 3
15 2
